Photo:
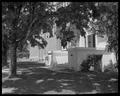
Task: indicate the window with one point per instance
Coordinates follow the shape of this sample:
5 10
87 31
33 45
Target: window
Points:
94 43
91 41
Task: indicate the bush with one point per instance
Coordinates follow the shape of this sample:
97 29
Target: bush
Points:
91 61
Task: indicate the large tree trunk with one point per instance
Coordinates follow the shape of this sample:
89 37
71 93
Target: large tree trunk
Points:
12 65
4 57
4 52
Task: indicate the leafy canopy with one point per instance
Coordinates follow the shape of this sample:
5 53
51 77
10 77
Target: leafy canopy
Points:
77 13
24 21
107 23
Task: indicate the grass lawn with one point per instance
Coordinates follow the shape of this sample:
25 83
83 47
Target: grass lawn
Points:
35 79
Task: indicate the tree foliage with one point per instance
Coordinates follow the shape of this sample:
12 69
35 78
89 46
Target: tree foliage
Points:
77 13
107 23
23 22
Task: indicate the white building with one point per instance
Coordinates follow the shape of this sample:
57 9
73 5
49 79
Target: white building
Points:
91 40
52 44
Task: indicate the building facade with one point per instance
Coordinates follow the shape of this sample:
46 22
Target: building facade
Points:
89 41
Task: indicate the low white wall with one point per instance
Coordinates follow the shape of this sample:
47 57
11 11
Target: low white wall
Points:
74 57
34 58
58 58
77 55
108 59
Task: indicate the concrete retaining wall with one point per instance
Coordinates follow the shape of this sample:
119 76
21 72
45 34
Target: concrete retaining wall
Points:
77 55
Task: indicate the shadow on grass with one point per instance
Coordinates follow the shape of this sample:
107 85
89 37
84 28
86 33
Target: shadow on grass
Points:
35 79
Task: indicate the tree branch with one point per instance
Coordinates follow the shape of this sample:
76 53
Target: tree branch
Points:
28 32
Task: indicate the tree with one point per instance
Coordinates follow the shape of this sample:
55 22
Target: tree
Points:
104 17
77 13
4 48
23 22
107 23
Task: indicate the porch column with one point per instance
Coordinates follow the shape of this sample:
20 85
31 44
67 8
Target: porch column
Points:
86 40
96 41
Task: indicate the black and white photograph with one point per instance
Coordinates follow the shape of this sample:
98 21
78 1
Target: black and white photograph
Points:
59 47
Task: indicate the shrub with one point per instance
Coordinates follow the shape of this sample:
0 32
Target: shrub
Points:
91 61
